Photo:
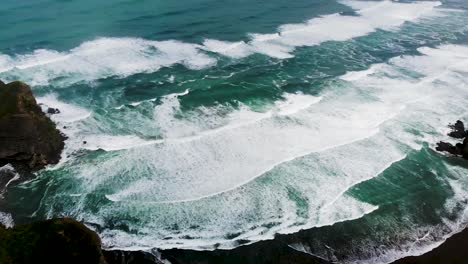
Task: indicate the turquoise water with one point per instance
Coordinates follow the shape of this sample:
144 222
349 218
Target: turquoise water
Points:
212 124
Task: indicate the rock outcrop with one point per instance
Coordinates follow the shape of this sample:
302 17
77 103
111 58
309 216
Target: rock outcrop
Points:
28 138
458 132
59 241
53 241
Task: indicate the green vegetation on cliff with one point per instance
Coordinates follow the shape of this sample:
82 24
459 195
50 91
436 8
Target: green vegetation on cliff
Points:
52 241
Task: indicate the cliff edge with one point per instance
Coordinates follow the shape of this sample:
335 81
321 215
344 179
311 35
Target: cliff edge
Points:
28 138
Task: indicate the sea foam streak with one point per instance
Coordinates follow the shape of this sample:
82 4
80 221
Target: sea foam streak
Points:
6 220
68 113
260 173
307 157
285 151
121 57
102 58
386 15
444 68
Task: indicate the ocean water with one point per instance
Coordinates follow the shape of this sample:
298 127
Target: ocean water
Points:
213 124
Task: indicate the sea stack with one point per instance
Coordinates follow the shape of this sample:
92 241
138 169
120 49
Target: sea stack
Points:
28 138
458 132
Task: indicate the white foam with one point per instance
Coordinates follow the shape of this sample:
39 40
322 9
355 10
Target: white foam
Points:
135 103
414 248
180 94
121 57
220 171
311 130
424 239
444 69
385 15
71 115
171 79
232 171
356 75
231 49
295 103
8 168
232 212
68 121
248 145
213 175
39 57
102 58
6 219
15 178
113 143
68 113
196 127
5 63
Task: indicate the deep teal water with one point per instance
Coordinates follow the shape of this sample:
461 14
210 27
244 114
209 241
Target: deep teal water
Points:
62 25
212 124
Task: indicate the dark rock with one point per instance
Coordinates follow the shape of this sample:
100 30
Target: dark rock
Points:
53 111
465 148
458 130
53 241
130 257
27 135
447 147
84 142
460 149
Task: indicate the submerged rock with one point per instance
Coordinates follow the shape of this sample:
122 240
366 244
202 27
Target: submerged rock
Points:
28 138
53 111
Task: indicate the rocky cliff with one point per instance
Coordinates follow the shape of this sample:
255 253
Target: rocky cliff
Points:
52 241
28 138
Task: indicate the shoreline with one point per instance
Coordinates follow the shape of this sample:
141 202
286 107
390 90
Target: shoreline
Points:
452 250
279 250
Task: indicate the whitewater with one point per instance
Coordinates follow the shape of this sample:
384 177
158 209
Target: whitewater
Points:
215 143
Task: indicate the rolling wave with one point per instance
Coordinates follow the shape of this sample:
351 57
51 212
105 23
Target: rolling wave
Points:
122 57
264 173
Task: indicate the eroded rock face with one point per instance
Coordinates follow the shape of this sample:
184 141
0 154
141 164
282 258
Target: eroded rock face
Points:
460 149
458 130
27 136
